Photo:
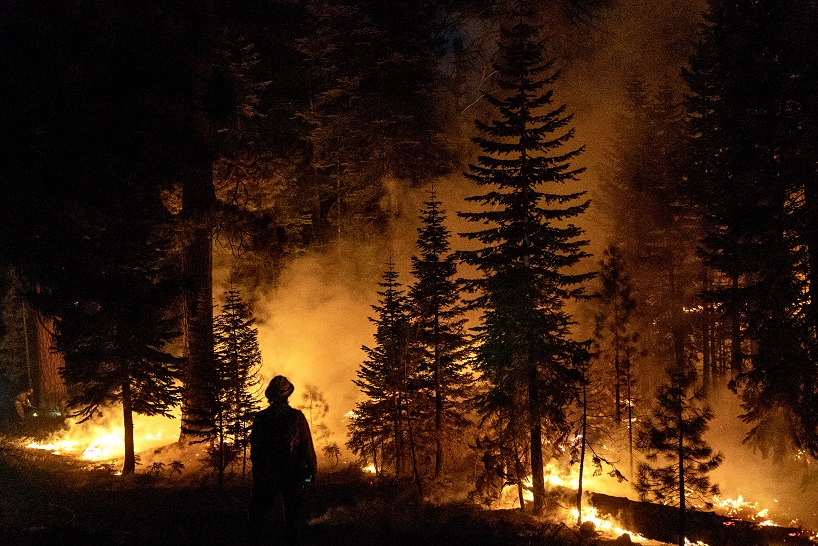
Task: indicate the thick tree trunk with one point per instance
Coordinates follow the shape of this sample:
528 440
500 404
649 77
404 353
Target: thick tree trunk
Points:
198 204
197 201
49 386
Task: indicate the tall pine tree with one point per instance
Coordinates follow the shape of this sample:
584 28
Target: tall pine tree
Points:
237 361
438 327
379 429
528 247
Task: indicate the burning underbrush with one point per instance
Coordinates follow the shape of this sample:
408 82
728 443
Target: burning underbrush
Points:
66 483
98 443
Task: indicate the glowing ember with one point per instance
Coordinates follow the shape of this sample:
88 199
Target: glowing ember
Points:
604 525
740 508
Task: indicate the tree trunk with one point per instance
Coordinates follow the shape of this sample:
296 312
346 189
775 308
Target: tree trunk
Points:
198 204
197 321
617 371
681 474
706 328
537 473
438 398
582 448
48 383
398 438
735 334
630 423
415 473
129 465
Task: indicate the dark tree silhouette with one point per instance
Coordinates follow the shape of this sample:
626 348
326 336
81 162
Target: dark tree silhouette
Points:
376 105
438 321
642 192
381 425
237 360
595 426
753 83
115 347
615 340
524 351
678 458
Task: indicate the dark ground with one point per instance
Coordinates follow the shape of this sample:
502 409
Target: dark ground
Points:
54 500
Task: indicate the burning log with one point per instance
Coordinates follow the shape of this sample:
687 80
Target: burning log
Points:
660 522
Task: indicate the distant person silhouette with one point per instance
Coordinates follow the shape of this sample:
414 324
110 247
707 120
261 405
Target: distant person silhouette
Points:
23 402
284 462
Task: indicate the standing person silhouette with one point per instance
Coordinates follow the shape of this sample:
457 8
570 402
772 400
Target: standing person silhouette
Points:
284 462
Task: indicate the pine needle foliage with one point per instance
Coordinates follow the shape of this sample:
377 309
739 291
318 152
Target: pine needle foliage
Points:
528 246
114 314
678 458
379 425
438 328
237 358
615 339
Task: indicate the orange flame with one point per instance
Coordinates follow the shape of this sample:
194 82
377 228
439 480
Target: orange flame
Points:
102 438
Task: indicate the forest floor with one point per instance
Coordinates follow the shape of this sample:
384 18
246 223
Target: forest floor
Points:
51 499
48 499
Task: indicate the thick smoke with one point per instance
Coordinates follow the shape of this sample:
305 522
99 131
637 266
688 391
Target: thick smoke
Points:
314 321
784 484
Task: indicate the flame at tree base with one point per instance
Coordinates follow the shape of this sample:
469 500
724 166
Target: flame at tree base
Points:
102 438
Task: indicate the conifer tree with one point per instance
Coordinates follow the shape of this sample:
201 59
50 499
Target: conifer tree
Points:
237 361
376 103
752 171
678 458
380 425
653 225
115 330
612 323
524 350
614 337
438 327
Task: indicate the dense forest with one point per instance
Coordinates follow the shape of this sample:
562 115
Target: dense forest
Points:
565 230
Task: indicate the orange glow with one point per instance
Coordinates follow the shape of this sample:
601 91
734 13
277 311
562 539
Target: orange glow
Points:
604 525
102 438
742 509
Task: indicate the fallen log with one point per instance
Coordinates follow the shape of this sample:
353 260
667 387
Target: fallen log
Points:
660 522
